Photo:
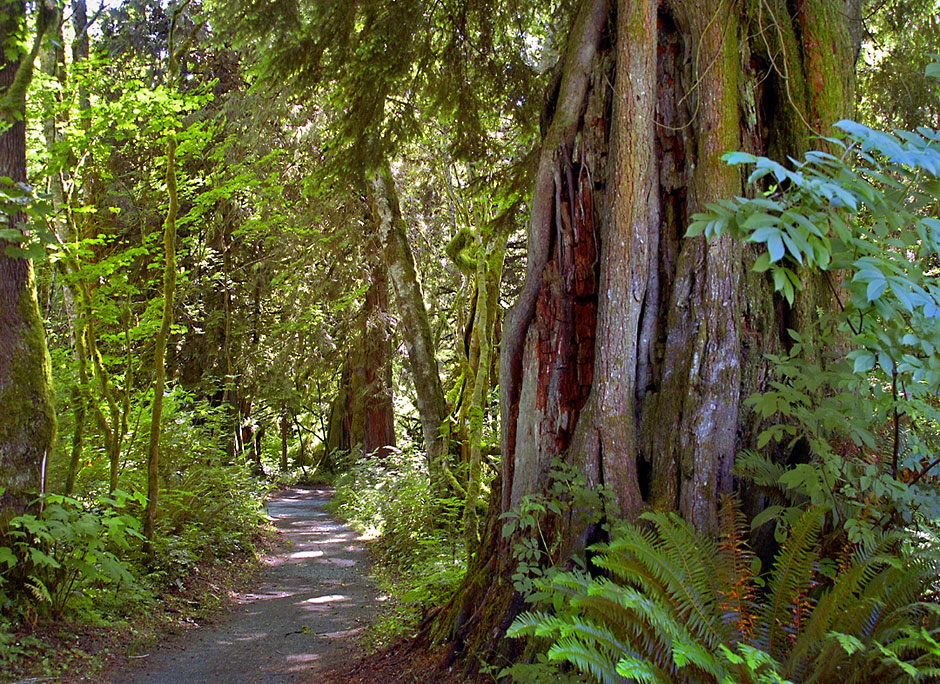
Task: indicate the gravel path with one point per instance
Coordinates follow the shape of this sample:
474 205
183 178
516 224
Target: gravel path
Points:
303 618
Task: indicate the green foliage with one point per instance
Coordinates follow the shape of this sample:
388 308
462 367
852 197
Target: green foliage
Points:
535 556
675 606
417 541
867 411
69 546
893 89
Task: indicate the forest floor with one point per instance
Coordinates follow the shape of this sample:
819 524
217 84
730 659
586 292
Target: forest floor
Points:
301 619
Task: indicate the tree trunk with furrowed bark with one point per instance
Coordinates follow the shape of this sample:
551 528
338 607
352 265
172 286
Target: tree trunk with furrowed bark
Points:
631 348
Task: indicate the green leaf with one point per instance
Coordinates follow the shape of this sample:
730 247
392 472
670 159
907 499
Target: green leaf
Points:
42 559
762 263
7 556
737 158
775 247
765 516
876 288
864 362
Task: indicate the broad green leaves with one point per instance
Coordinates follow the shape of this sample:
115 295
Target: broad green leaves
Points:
866 222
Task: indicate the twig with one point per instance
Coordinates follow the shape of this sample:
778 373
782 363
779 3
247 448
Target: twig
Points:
897 428
926 470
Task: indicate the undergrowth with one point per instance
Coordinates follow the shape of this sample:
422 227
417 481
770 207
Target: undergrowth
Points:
416 541
77 564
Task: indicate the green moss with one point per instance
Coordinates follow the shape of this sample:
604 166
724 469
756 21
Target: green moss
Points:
27 416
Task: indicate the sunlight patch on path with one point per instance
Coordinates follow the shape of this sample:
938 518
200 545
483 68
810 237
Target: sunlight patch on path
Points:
304 616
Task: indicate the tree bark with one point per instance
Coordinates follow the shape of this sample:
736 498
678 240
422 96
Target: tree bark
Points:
159 363
27 418
378 429
285 433
415 328
630 347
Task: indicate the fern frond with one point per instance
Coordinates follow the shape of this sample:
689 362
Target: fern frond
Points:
641 670
764 473
38 589
734 563
527 623
836 607
790 580
669 559
586 659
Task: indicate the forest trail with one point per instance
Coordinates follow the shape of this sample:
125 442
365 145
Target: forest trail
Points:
301 618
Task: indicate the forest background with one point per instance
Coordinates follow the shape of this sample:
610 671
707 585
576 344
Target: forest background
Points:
377 244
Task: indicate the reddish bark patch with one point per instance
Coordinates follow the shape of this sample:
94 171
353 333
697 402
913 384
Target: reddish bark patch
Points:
566 311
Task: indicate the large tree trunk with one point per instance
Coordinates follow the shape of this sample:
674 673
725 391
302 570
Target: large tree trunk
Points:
378 417
631 347
362 415
27 419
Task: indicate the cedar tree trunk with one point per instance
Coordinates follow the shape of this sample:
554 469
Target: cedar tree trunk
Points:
631 348
378 417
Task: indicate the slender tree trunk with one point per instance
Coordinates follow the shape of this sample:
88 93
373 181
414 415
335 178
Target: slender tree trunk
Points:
79 397
80 47
302 447
488 277
338 431
285 433
169 291
630 347
27 418
415 328
79 299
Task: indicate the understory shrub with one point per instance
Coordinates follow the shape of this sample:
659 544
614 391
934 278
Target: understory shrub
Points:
209 512
672 606
860 396
418 544
69 547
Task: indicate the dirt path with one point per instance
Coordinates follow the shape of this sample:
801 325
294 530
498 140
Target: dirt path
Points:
303 618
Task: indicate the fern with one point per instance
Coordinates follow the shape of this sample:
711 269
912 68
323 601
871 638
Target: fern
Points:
39 590
737 589
657 618
792 579
586 658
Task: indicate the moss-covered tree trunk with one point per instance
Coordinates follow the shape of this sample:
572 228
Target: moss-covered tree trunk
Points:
27 419
477 372
159 364
630 348
415 328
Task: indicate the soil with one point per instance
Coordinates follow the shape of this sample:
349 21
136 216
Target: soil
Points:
300 622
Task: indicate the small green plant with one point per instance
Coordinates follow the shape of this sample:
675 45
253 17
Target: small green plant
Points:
675 606
568 493
67 546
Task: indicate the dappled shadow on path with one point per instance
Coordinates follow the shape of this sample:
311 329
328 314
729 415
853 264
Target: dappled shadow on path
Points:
312 601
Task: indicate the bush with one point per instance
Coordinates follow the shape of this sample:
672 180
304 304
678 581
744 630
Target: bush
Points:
675 606
418 543
69 545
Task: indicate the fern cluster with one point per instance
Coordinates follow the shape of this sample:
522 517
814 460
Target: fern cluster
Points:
674 606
